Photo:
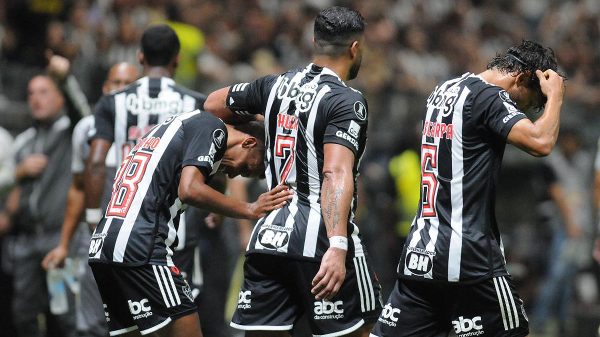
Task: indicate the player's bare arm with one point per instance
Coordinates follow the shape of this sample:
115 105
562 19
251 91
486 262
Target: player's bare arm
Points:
94 177
193 190
74 209
215 104
336 197
538 138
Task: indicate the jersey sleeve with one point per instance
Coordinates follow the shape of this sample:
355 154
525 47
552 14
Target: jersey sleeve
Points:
494 109
246 99
104 119
205 141
346 121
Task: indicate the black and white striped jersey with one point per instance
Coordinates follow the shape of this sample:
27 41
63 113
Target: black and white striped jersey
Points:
141 220
454 236
303 109
126 115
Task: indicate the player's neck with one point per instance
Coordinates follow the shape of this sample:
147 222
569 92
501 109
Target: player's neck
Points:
498 78
337 65
158 72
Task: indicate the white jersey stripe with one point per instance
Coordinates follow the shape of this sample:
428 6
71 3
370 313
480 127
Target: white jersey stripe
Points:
160 286
456 190
120 127
175 293
314 182
268 154
500 303
143 92
364 282
512 302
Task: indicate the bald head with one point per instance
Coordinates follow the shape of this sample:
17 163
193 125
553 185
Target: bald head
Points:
119 76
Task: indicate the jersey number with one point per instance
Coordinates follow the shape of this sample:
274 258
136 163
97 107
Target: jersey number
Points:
126 183
284 150
429 182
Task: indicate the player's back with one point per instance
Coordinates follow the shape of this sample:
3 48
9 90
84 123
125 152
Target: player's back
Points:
304 109
454 236
142 216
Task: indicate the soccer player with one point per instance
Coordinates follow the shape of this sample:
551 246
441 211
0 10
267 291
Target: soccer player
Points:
452 272
124 116
132 247
308 256
90 320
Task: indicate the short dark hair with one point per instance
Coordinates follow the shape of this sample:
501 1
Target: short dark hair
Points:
160 45
255 129
335 28
526 58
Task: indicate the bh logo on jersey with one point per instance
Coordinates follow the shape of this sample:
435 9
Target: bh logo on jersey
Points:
419 261
389 315
139 309
325 309
244 299
467 327
96 244
272 238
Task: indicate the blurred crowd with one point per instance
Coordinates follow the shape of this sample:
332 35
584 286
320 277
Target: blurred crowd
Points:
411 46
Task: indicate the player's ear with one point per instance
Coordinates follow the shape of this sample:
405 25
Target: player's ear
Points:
522 79
249 143
140 57
354 49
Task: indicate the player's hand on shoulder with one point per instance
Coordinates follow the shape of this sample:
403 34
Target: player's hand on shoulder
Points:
268 201
331 275
551 83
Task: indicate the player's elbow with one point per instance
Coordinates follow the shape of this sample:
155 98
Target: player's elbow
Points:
541 147
186 194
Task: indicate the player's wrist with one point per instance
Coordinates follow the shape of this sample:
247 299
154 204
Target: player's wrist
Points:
93 215
338 241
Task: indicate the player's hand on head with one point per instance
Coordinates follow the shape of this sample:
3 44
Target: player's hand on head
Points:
268 201
551 83
55 258
331 275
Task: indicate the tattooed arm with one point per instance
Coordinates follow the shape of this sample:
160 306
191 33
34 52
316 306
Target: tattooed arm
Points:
336 195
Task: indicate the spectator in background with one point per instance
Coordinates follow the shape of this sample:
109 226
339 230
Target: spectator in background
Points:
7 162
90 312
570 178
43 156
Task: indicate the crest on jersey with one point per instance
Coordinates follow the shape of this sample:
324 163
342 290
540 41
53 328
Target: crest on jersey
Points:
360 110
218 137
505 97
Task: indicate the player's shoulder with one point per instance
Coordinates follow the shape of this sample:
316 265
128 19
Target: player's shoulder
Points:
202 119
484 90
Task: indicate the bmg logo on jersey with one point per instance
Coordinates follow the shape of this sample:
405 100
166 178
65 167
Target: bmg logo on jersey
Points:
419 261
467 327
139 309
389 315
325 309
244 299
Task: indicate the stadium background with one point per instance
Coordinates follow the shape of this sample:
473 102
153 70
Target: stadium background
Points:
411 45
